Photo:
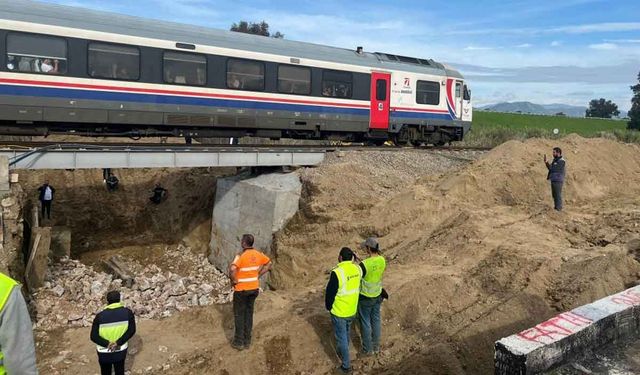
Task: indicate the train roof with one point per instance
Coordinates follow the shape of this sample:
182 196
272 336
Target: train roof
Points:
81 18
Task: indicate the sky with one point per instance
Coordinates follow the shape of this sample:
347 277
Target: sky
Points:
544 51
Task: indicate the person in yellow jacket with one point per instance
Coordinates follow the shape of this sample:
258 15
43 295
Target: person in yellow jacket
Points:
17 352
371 295
111 331
341 299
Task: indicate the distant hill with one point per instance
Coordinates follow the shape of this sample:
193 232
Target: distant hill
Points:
539 109
536 109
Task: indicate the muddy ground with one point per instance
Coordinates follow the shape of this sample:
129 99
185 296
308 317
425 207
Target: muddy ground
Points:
475 253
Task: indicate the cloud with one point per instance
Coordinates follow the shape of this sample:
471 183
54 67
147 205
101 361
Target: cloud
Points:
478 48
524 45
556 43
632 41
571 29
604 46
619 74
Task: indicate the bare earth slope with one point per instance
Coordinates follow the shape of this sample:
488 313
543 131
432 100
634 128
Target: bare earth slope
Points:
475 253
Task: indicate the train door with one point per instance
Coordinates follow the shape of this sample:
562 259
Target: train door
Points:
380 99
459 100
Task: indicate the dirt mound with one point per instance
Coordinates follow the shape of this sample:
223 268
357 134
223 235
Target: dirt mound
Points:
477 253
514 174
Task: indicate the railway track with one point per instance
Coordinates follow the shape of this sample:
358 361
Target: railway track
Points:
199 146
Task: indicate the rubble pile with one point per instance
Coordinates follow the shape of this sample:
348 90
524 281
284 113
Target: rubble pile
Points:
75 292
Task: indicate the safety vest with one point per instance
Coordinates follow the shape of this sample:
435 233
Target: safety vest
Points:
249 263
113 331
345 304
371 285
6 287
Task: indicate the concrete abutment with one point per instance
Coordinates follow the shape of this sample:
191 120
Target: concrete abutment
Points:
257 205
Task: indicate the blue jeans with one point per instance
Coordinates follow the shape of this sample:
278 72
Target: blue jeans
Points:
342 329
369 315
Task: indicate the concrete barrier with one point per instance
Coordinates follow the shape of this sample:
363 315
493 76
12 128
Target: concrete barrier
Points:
567 335
261 206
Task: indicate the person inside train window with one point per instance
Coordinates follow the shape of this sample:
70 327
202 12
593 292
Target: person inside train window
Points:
11 62
123 73
48 66
326 91
234 82
25 64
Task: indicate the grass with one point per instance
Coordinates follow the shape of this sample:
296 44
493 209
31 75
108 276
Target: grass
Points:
490 129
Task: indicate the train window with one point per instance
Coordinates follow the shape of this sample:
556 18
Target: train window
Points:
294 79
467 93
185 68
245 75
428 92
31 53
337 84
381 89
458 89
114 61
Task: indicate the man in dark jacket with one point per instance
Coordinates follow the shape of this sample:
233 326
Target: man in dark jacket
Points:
112 328
159 193
556 176
46 192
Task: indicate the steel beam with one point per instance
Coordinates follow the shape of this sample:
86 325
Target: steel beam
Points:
157 157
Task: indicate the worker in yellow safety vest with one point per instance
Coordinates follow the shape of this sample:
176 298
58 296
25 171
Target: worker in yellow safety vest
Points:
17 352
371 295
111 331
341 299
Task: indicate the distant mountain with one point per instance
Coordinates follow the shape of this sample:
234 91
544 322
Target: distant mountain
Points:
536 109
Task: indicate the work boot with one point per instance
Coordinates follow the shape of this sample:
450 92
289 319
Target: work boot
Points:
237 346
343 370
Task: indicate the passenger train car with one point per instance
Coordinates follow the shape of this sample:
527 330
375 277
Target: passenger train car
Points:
67 69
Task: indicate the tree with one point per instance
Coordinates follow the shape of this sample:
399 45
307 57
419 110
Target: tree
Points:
602 108
634 113
255 28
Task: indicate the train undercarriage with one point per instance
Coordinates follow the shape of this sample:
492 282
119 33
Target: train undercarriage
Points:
408 134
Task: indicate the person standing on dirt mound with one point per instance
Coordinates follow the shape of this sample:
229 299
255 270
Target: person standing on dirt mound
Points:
111 330
46 192
556 176
371 295
341 299
245 272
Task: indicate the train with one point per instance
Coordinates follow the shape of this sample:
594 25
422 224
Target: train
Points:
72 70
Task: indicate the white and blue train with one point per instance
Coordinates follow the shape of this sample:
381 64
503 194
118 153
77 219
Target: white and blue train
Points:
67 69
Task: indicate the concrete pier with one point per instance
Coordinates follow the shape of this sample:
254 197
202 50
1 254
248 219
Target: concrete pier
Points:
260 206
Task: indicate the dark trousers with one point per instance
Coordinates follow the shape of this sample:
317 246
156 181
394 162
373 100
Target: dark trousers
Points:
46 207
243 315
118 368
556 192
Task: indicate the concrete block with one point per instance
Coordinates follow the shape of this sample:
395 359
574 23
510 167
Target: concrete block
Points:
566 336
261 206
36 269
5 188
60 243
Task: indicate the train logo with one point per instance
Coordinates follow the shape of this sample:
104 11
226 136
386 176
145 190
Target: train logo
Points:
407 82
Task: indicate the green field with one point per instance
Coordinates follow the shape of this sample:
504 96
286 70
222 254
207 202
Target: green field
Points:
566 125
490 129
